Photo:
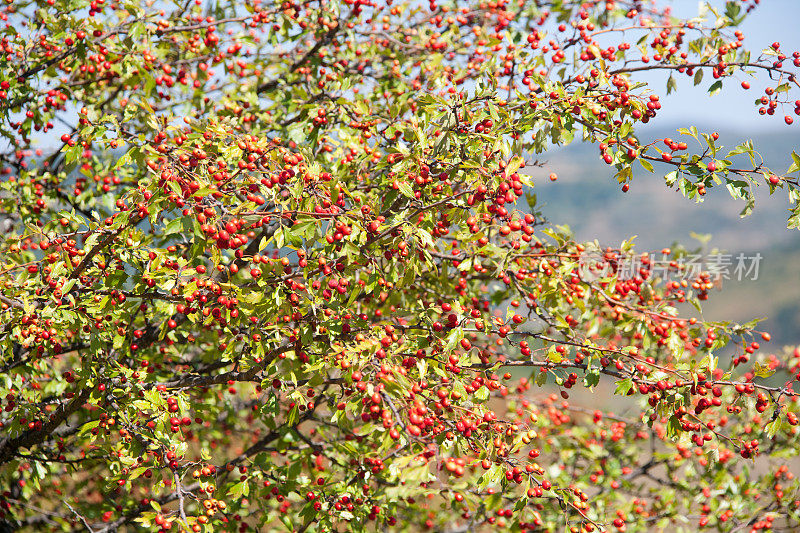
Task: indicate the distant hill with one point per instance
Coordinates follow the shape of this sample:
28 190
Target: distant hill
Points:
587 198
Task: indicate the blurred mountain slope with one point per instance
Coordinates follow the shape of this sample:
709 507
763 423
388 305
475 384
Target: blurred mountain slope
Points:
587 198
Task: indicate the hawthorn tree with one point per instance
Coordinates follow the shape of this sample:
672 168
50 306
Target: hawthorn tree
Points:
263 267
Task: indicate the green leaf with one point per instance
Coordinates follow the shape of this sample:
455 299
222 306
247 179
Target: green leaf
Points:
174 226
514 165
672 85
88 426
292 417
795 163
482 394
762 370
623 386
238 490
406 189
124 160
772 427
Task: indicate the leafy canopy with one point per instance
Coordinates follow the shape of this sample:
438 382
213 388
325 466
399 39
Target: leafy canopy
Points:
274 273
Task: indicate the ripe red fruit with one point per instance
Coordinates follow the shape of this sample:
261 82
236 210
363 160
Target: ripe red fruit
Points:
392 220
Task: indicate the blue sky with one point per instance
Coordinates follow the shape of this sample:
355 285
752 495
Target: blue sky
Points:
732 108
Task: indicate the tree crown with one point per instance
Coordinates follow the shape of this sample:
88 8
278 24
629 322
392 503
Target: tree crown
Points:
274 274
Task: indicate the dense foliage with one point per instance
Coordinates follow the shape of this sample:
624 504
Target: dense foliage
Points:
262 267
